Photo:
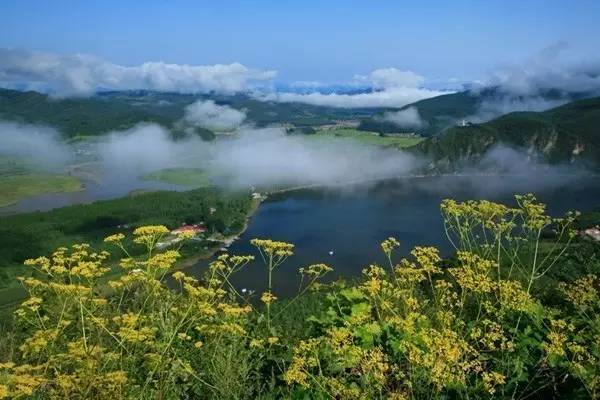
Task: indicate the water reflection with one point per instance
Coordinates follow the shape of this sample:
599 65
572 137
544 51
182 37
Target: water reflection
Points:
353 220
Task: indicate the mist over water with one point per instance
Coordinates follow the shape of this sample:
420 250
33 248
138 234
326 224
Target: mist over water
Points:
320 220
114 164
34 144
269 157
262 159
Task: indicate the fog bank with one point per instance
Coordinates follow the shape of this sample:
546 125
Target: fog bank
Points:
33 144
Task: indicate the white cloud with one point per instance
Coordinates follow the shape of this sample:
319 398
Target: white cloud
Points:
82 75
271 157
386 78
207 114
32 144
143 148
392 88
397 97
544 72
265 156
495 107
408 118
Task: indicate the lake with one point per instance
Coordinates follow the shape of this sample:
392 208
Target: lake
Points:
109 187
352 220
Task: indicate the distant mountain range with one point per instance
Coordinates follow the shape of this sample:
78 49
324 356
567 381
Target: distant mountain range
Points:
566 134
109 111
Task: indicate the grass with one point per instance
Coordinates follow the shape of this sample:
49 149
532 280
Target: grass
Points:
14 188
192 177
370 138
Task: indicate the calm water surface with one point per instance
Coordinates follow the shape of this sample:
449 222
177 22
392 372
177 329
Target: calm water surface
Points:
108 188
352 221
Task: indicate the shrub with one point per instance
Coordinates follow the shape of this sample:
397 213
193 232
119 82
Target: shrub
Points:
421 327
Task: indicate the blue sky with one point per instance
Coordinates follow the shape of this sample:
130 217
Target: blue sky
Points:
325 40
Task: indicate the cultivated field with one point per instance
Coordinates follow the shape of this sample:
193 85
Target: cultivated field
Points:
371 138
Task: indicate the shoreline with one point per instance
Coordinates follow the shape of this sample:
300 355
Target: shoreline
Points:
46 191
390 178
190 261
194 259
18 293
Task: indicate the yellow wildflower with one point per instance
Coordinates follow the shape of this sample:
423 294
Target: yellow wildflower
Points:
116 238
268 297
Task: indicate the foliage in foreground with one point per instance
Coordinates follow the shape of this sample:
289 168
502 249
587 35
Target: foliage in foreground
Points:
24 236
471 327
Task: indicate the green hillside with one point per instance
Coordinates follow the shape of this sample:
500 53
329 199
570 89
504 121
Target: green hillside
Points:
438 114
443 112
90 116
121 110
263 113
568 133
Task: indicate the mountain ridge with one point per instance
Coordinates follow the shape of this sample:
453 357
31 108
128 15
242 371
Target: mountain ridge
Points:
565 134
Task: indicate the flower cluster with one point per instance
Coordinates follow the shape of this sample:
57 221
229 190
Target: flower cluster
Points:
473 325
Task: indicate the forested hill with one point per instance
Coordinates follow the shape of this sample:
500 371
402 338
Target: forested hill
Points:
437 113
443 112
121 110
89 116
566 134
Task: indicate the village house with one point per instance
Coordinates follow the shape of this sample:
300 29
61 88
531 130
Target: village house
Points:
174 236
593 233
195 229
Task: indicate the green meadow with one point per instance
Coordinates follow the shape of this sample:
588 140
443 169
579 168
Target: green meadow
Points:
370 138
14 188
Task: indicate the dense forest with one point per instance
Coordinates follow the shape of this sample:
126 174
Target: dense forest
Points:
109 111
566 134
27 235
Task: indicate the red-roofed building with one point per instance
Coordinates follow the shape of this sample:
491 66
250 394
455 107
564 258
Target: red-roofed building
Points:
196 229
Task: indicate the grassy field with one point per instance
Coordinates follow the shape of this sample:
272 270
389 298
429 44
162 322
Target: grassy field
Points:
399 141
14 188
192 177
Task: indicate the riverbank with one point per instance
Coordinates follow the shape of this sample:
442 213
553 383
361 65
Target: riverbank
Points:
18 187
227 241
418 176
10 297
32 235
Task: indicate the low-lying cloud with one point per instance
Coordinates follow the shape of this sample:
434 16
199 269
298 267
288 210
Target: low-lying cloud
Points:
497 106
397 97
207 114
540 83
389 87
142 149
33 144
545 71
408 118
387 78
254 157
83 75
265 157
527 162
